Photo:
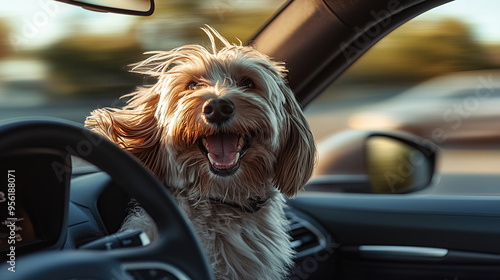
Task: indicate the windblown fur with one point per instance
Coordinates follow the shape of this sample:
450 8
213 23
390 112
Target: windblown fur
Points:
168 127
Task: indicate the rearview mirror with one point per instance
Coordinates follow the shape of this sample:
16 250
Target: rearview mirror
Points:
357 161
128 7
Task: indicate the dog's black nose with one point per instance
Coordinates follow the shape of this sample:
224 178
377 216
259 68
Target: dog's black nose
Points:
218 110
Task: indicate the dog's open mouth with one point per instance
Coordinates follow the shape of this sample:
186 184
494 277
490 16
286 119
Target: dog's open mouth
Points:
224 151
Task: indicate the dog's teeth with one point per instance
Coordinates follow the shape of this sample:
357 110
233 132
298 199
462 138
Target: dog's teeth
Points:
236 159
205 144
211 159
219 165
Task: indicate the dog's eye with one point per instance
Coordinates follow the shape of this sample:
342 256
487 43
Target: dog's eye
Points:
247 83
196 85
192 85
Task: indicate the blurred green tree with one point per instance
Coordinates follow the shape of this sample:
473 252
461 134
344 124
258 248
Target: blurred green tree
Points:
5 48
90 64
420 50
178 22
494 52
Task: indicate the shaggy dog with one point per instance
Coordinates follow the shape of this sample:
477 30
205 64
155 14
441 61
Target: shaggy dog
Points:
224 133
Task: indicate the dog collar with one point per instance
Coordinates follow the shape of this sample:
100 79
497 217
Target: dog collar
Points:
253 206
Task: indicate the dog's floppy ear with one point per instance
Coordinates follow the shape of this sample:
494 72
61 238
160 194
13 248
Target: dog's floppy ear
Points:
133 128
298 152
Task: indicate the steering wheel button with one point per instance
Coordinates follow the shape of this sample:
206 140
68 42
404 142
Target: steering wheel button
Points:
133 238
106 243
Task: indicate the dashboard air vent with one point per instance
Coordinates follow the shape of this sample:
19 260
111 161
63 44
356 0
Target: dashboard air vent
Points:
306 239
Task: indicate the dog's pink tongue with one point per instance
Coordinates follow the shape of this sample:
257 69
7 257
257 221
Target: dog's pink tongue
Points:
223 147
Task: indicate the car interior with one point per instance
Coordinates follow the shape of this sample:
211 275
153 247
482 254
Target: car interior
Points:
377 207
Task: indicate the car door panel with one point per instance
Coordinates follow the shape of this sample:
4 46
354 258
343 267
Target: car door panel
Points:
465 228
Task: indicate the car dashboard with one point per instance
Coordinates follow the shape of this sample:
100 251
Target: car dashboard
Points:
98 206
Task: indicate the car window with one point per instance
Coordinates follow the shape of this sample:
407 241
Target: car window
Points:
437 76
63 61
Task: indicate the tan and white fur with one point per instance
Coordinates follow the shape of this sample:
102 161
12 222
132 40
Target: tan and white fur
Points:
223 131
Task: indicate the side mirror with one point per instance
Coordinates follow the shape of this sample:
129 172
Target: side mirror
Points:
127 7
357 161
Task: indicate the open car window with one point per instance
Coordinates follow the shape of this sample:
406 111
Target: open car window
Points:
63 61
437 76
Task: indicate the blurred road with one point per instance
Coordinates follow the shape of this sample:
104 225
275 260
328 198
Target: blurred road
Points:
74 110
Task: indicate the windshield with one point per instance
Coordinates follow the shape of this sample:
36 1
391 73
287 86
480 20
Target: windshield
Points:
63 61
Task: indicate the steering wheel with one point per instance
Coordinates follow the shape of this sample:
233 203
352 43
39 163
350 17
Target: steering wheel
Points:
177 248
